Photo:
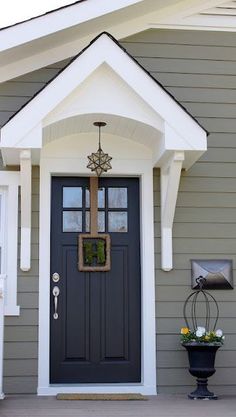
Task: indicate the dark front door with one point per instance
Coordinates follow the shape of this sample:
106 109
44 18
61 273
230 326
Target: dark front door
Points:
95 335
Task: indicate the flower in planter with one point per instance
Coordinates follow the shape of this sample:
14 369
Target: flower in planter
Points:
201 342
201 335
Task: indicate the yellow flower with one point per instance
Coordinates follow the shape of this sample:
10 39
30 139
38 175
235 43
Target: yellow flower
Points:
207 338
184 330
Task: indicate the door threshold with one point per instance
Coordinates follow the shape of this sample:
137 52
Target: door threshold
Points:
107 389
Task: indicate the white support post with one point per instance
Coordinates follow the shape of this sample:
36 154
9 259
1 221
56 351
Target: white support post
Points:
170 179
26 174
2 285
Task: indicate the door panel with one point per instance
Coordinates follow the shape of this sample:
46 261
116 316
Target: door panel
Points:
96 338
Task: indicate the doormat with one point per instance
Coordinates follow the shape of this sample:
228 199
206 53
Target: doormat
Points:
102 397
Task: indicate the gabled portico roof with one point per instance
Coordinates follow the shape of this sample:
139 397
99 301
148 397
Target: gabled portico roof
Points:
175 128
105 83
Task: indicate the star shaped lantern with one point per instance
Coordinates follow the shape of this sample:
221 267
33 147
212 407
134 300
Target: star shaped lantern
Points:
99 161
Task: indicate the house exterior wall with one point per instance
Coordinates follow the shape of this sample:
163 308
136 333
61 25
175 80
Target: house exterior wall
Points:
199 69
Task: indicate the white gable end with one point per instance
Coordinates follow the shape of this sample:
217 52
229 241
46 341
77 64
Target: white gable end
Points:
105 92
104 79
105 83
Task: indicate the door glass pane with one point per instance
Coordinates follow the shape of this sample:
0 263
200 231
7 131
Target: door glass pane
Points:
117 197
72 197
72 221
101 221
101 198
117 221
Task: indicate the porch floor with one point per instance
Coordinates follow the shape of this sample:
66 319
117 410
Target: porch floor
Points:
156 406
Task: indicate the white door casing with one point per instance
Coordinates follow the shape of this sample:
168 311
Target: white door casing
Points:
59 158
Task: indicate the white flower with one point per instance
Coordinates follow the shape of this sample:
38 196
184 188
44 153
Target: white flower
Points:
200 331
219 333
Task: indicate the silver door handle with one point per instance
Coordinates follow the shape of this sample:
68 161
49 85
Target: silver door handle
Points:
55 292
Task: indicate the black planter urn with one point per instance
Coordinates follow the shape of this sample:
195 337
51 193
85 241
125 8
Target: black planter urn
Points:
202 365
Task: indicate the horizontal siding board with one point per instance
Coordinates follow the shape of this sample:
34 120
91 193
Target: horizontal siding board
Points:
21 334
195 52
184 66
28 284
40 76
23 89
180 359
182 261
34 236
214 110
197 81
210 246
222 140
183 37
177 293
28 300
35 172
20 385
208 184
20 350
206 168
201 215
27 317
12 104
174 309
5 116
222 247
220 390
170 326
186 199
227 377
35 186
20 367
204 231
203 95
215 124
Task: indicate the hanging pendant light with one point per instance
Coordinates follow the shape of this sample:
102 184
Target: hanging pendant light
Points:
99 161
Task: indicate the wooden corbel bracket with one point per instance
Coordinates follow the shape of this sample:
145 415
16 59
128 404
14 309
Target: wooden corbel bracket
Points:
170 179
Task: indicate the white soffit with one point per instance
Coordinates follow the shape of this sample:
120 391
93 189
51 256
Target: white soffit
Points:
138 97
60 34
214 15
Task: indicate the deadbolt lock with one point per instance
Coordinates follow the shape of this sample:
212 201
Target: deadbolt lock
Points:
55 277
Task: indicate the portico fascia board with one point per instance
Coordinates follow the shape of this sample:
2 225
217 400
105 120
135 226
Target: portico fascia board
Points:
104 49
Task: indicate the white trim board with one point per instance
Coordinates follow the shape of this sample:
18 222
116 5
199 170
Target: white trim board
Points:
74 166
9 184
